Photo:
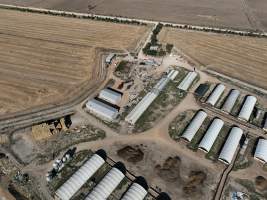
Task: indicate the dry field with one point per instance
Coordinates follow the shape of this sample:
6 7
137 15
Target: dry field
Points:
243 58
45 59
244 14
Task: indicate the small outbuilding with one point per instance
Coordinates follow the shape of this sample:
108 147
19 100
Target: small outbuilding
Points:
261 151
215 94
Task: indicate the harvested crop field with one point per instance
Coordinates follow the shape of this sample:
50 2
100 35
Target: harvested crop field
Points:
46 59
243 58
223 13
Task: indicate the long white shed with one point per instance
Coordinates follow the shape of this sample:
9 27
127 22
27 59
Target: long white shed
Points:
261 151
215 94
231 145
110 96
194 125
187 81
80 177
211 135
137 191
231 100
109 183
247 108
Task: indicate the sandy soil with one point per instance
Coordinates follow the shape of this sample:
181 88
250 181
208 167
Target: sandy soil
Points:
45 59
243 58
225 13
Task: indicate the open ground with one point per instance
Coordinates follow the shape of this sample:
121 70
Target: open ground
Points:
243 58
240 14
46 59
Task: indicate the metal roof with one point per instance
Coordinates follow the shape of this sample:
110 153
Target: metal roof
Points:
102 110
211 135
80 177
230 146
187 81
110 96
194 125
265 123
202 89
216 94
107 185
135 192
231 100
261 151
247 108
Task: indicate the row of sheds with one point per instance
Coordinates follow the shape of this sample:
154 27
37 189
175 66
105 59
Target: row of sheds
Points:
105 106
138 190
246 109
231 144
142 106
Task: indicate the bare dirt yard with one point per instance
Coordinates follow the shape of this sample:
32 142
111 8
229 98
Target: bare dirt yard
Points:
45 59
243 14
243 58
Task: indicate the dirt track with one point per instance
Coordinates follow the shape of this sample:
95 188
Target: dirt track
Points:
46 59
243 58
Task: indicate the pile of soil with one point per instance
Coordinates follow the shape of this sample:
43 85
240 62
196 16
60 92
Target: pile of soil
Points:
131 154
195 182
170 170
261 183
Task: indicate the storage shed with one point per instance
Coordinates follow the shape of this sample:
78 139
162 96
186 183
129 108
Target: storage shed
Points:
137 191
211 135
261 151
110 96
109 183
231 145
215 94
230 100
247 108
265 123
102 110
194 125
187 81
80 177
163 196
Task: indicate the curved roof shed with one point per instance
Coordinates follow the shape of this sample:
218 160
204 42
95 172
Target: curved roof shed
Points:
80 177
216 94
211 135
137 191
230 146
231 100
247 108
261 151
187 81
194 125
110 96
108 184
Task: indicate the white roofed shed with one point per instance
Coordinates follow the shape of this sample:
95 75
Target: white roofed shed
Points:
187 81
231 145
110 96
231 100
261 151
216 94
211 135
137 191
247 108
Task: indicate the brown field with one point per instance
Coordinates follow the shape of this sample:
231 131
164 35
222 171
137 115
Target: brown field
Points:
44 59
243 14
243 58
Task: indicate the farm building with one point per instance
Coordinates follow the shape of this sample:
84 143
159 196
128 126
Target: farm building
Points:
194 125
80 177
231 100
137 191
201 90
247 108
102 110
109 58
187 81
231 145
142 106
211 135
216 94
110 95
163 196
109 183
265 123
261 151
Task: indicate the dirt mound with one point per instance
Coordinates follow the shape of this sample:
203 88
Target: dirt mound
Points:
261 183
170 170
131 154
194 182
